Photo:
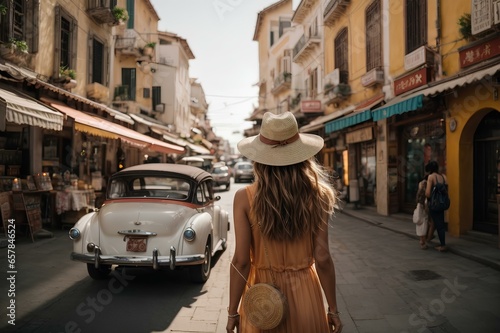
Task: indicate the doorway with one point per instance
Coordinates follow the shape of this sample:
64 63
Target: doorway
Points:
487 173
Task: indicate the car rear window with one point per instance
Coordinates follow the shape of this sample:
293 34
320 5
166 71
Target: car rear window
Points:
145 187
245 166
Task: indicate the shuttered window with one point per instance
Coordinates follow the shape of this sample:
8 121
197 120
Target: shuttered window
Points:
341 55
65 41
21 22
416 24
373 36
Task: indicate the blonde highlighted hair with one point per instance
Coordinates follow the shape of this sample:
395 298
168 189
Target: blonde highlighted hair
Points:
292 200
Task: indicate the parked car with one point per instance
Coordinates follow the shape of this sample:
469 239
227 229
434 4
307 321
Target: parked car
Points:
243 171
221 176
155 215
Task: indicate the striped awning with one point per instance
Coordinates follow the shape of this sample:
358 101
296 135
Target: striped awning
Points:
22 109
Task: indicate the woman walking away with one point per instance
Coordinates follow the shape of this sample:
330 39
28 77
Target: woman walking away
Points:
281 230
422 225
437 216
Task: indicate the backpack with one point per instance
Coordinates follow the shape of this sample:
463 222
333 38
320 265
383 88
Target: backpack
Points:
439 200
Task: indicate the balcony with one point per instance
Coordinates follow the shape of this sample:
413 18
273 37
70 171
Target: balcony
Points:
101 11
130 44
14 55
97 92
305 46
333 10
338 93
282 82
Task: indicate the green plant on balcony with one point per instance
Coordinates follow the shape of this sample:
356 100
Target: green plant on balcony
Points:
65 71
287 76
120 14
17 45
342 89
328 87
465 28
3 9
151 45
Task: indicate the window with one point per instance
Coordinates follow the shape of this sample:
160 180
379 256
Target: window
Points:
131 14
156 100
21 22
313 83
341 56
283 24
129 81
65 41
313 28
98 62
416 24
373 36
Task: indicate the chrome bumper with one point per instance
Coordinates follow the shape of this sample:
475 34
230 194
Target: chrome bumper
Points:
154 260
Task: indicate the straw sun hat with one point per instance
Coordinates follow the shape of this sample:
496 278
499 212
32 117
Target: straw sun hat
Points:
279 142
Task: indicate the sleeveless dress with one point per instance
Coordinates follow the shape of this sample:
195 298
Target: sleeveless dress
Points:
294 274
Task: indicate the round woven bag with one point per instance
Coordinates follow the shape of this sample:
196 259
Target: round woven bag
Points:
265 306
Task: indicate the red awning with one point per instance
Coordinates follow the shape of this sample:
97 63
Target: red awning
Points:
101 127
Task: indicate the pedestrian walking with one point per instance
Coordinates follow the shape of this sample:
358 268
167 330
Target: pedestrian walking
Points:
281 230
420 215
437 215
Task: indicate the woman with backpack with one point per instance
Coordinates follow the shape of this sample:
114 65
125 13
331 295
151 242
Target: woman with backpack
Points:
436 214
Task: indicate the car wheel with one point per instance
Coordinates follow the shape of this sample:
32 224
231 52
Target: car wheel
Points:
201 273
98 273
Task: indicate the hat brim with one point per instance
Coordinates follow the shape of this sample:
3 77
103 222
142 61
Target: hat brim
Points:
298 151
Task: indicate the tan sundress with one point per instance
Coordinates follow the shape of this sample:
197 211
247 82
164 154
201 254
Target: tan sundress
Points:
294 273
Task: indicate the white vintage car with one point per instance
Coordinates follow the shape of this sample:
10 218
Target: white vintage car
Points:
155 215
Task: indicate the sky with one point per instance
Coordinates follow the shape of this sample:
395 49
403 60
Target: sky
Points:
220 34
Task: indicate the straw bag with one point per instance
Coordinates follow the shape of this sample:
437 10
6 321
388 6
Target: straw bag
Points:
265 306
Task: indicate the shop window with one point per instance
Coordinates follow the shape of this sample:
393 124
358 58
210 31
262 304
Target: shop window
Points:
416 24
65 41
21 22
424 142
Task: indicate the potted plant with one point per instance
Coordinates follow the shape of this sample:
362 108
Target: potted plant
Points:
328 87
465 27
3 9
66 72
149 48
15 51
287 76
120 14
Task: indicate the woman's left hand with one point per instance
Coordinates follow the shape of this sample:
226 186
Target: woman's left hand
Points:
233 323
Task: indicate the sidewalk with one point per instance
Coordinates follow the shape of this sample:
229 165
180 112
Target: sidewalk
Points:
475 248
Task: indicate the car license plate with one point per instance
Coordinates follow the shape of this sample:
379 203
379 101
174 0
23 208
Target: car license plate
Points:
137 244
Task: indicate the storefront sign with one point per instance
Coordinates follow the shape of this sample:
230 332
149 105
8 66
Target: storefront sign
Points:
312 106
473 55
364 134
411 81
481 16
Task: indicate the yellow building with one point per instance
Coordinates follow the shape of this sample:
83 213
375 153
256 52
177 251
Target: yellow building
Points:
274 60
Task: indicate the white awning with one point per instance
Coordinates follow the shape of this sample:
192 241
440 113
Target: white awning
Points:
21 109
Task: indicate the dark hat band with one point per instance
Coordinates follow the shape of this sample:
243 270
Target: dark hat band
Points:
276 143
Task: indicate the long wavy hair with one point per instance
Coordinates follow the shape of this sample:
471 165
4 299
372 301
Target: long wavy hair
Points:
291 201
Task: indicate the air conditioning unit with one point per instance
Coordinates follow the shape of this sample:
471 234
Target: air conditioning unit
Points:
372 77
333 77
160 107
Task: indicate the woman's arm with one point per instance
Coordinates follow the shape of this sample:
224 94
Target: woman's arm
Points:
430 184
326 272
241 257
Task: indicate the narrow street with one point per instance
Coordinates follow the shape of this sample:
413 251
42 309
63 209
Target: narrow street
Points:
385 282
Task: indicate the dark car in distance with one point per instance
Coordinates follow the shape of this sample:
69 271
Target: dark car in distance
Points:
243 171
